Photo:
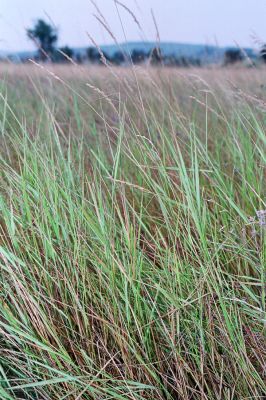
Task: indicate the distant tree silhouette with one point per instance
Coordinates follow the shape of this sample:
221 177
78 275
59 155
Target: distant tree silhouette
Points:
232 56
180 61
63 55
118 58
156 56
94 55
80 58
263 53
67 51
138 56
44 37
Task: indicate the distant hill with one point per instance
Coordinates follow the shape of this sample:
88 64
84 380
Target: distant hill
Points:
205 53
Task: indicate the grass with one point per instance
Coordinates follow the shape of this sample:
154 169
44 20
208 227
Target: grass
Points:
132 249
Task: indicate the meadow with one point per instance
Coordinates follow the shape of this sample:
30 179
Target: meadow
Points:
132 233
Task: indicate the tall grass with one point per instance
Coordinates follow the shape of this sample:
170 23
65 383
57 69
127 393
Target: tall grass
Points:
132 245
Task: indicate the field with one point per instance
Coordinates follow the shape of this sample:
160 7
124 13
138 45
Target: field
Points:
132 233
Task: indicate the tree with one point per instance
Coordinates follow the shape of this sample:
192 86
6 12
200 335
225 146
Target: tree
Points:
44 37
138 56
263 53
156 56
80 58
95 56
118 58
232 56
64 54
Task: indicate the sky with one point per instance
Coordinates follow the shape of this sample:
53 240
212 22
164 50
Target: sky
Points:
222 22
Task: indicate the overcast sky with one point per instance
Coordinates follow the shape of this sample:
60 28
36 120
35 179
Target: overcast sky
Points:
189 21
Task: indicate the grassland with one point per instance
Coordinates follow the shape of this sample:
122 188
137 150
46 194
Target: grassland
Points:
132 241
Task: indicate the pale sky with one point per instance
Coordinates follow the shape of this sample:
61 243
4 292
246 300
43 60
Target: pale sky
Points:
190 21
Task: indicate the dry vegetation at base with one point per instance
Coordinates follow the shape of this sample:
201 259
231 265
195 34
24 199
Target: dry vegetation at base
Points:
132 241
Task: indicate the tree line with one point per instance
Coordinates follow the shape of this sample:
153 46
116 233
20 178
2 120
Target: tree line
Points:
45 37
